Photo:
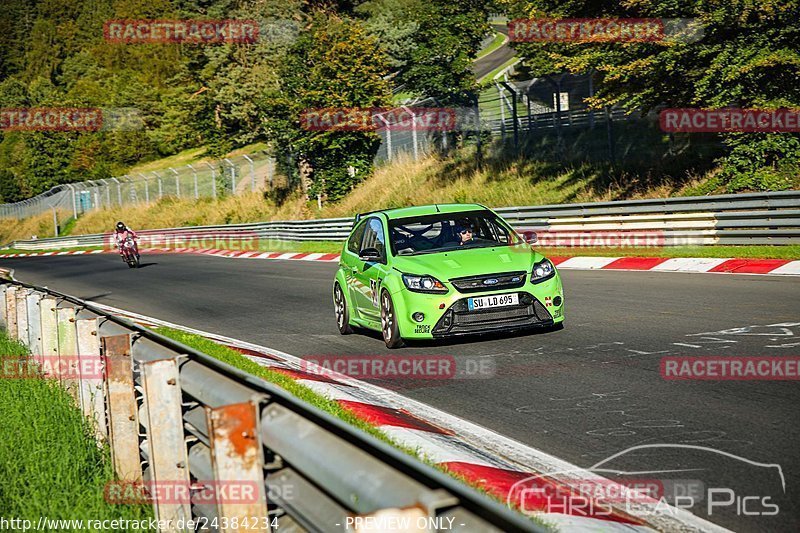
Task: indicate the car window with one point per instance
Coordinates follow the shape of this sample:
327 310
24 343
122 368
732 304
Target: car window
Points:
373 237
354 244
441 232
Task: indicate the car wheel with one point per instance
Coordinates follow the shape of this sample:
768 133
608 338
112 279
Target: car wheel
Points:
340 308
389 326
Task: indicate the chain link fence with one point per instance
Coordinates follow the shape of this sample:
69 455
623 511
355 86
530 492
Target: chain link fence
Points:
548 118
234 175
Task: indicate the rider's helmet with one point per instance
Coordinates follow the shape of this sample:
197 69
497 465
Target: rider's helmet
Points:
120 226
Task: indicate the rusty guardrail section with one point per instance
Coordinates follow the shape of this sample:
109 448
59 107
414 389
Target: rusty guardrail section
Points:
175 417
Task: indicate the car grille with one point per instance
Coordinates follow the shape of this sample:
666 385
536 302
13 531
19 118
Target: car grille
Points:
459 320
506 280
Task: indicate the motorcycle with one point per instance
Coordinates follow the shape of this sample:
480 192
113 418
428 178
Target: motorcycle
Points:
129 253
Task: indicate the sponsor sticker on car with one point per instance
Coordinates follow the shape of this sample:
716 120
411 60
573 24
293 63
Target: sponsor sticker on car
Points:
497 300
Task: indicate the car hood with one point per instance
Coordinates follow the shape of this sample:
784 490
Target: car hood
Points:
469 262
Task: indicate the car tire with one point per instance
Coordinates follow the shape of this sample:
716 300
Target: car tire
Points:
340 308
389 327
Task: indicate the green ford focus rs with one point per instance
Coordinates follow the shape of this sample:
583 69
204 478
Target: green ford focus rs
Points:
440 271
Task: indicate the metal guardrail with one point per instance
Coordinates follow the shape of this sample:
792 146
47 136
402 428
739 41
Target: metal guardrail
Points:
174 416
730 219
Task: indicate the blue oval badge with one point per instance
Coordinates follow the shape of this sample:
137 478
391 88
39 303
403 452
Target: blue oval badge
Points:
490 281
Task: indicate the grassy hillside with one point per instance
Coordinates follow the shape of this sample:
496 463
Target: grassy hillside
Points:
501 181
405 182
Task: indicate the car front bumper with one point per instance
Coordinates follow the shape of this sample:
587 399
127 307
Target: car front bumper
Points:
540 305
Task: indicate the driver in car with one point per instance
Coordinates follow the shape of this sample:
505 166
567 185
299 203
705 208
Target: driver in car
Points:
464 232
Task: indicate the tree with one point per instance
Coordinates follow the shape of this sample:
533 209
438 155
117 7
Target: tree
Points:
748 56
334 63
448 37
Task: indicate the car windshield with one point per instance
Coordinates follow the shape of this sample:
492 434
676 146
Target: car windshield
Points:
449 231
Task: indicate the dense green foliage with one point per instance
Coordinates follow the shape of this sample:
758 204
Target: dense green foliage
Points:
309 53
354 53
748 56
50 463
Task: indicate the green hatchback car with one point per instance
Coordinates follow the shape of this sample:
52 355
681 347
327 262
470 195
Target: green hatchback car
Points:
440 271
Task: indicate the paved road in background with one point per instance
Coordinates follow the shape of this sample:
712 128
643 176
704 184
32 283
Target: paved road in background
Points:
583 393
483 66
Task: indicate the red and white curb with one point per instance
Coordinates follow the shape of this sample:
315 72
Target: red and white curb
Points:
682 264
485 458
710 265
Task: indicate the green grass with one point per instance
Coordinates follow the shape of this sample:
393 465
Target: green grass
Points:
50 464
66 229
496 43
489 77
7 251
236 359
734 252
189 156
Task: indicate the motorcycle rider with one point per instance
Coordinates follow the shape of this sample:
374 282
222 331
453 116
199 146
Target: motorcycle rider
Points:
122 232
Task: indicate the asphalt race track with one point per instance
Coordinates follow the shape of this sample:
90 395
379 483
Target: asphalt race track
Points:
583 393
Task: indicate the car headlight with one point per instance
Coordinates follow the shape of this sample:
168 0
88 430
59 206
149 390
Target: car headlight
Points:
423 284
542 270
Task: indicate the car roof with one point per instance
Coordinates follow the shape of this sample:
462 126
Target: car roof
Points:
422 210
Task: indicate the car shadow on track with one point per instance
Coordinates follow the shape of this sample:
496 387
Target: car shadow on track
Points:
466 339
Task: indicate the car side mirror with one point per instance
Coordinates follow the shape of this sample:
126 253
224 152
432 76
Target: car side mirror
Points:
530 237
369 255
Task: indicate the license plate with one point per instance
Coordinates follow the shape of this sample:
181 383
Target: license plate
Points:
497 300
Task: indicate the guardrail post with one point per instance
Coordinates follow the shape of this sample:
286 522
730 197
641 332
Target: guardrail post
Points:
48 329
68 351
3 288
22 314
237 458
169 461
92 398
11 311
123 426
34 322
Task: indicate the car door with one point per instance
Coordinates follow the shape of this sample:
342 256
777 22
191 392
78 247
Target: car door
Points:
370 274
351 264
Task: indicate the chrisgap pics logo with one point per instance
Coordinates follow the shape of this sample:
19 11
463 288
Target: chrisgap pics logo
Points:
604 30
603 491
